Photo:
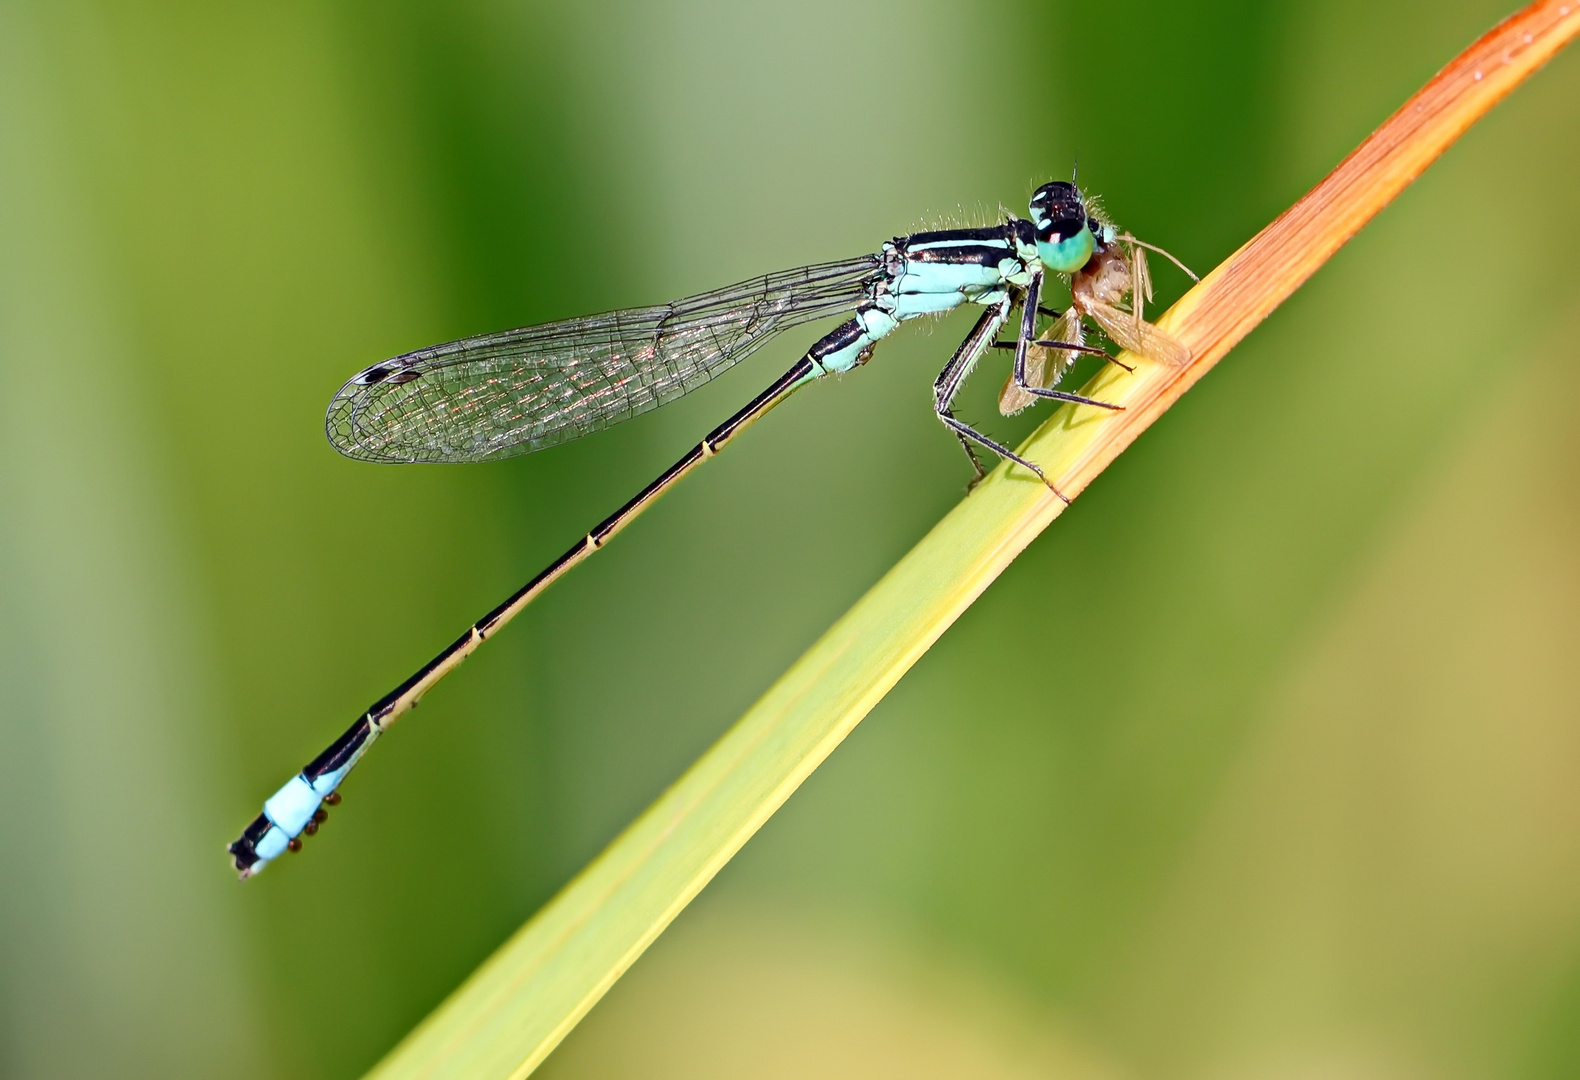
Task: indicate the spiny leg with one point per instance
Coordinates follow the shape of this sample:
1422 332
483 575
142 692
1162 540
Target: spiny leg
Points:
976 462
953 377
949 381
1068 346
1060 395
1028 338
964 431
1019 372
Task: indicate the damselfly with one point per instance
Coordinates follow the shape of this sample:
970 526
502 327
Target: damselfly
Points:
512 393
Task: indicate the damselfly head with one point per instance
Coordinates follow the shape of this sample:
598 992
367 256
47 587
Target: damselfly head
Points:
1058 206
1064 242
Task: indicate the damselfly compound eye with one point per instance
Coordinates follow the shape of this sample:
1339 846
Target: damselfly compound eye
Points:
1058 199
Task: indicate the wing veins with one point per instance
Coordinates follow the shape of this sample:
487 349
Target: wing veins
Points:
508 393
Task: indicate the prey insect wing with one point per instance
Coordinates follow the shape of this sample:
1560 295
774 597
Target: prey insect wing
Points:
1122 327
510 393
1140 291
1118 270
1044 367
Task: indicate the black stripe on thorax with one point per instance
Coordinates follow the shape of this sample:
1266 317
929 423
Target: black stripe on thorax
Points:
959 247
991 232
965 255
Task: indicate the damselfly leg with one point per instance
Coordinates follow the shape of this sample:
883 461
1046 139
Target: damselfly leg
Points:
950 380
953 376
1028 338
1110 290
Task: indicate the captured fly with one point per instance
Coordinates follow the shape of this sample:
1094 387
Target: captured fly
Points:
1111 291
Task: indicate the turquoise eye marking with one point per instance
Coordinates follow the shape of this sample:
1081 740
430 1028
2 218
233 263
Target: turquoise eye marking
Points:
1068 255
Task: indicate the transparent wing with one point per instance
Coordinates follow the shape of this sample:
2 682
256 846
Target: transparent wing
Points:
1150 342
1044 367
1140 291
522 390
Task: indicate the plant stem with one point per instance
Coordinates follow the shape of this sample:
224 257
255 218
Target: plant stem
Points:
507 1017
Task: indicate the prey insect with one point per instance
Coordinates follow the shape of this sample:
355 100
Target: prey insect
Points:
522 390
1116 272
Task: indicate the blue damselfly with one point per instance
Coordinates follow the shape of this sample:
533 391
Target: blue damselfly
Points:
511 393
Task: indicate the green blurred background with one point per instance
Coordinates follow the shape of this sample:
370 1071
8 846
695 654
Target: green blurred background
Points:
1265 761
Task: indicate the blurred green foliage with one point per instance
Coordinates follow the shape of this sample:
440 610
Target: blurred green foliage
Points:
1301 800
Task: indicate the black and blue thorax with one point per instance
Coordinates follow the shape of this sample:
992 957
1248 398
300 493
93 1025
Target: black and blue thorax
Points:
929 273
